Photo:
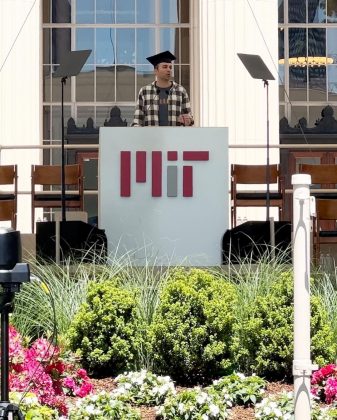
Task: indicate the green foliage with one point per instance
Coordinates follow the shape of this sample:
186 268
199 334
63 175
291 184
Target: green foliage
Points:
263 340
143 388
241 389
107 331
280 406
192 328
58 287
325 286
31 408
148 280
102 406
193 404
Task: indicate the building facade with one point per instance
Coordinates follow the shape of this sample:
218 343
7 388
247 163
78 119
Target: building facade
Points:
205 36
307 58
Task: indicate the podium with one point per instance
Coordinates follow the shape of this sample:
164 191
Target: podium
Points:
164 193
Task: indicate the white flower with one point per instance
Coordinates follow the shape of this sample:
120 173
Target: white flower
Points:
278 412
181 408
241 375
201 398
267 410
90 409
214 409
204 417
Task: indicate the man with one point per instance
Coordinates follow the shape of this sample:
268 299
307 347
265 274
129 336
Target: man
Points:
163 102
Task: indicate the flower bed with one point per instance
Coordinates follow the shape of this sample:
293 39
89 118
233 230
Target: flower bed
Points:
41 370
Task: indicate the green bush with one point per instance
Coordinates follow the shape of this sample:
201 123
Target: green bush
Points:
192 327
107 331
263 340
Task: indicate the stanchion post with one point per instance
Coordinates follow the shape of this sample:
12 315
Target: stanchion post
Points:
302 366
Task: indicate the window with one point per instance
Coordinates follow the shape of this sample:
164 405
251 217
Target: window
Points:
121 34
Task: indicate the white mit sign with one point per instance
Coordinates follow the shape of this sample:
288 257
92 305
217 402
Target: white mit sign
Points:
164 193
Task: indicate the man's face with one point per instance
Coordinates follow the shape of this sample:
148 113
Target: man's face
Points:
164 71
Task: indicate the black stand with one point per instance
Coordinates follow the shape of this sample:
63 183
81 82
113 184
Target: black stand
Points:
63 175
71 65
266 85
258 70
6 305
10 281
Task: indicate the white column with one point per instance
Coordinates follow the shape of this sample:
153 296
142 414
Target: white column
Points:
302 366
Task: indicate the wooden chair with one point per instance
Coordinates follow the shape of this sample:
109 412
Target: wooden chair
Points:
256 174
325 175
50 176
326 209
8 199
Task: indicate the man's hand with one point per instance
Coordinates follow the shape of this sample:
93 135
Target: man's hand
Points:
185 119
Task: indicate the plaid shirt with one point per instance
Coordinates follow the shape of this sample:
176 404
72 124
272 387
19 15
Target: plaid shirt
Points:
147 108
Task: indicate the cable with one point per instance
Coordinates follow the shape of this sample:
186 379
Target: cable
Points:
276 68
17 36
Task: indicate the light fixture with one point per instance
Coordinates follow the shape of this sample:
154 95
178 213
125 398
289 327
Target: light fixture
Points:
307 61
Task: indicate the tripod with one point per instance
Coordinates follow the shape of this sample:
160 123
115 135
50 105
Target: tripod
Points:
12 274
7 410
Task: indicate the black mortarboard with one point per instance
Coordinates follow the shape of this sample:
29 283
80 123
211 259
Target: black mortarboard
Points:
163 57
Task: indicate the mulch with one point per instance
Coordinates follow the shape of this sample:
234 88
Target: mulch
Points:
238 413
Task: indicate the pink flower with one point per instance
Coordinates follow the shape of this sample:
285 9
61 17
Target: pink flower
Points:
69 382
84 390
82 373
41 369
328 370
330 390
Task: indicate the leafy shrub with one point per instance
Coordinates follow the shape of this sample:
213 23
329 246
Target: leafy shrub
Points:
143 388
241 389
192 327
193 404
101 407
263 341
107 331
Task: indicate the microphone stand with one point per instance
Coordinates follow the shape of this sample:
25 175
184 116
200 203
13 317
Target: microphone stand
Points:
266 85
63 177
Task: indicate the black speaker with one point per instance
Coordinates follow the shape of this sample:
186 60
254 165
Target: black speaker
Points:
252 240
78 241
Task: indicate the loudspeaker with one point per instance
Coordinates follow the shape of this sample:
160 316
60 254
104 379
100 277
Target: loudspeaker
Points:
252 240
78 241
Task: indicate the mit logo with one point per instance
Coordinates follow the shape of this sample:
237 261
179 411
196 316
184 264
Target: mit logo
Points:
157 172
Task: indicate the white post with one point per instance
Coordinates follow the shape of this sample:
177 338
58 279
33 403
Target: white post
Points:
302 366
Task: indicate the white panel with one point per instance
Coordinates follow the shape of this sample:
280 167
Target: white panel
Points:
20 91
164 229
229 96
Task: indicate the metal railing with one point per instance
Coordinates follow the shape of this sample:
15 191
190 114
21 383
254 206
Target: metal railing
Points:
91 147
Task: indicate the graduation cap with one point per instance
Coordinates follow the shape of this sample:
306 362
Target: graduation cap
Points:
163 57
